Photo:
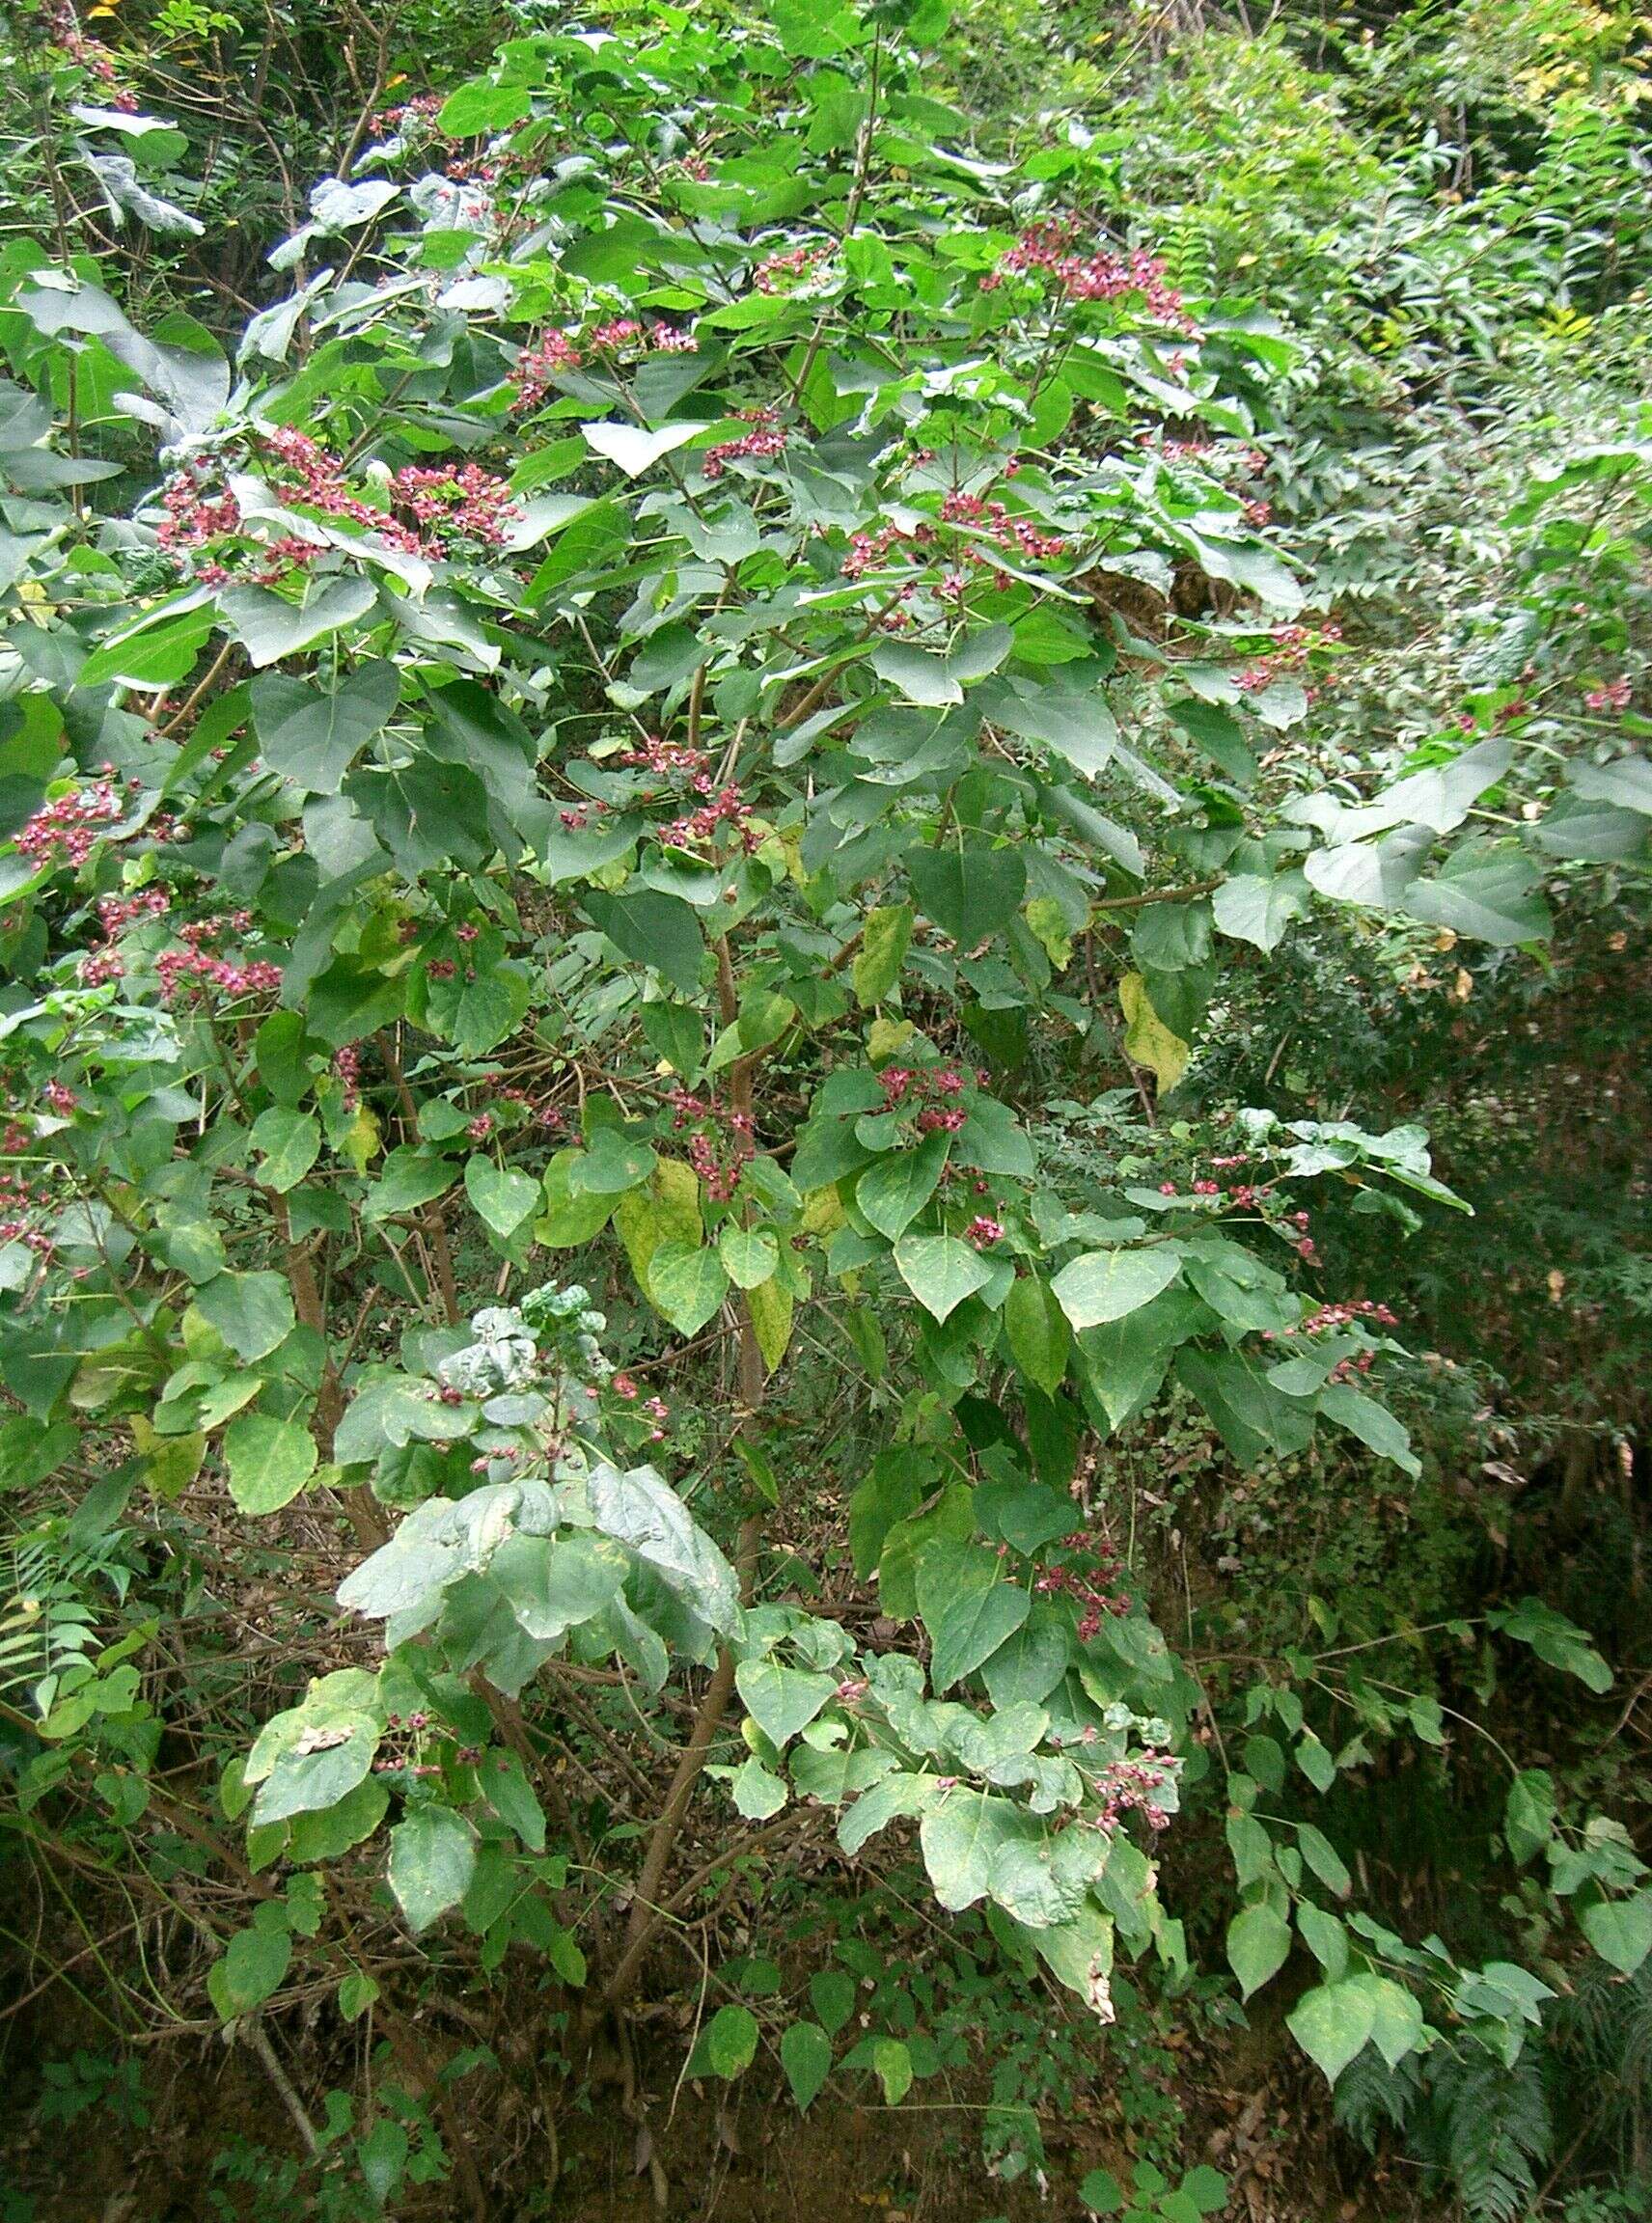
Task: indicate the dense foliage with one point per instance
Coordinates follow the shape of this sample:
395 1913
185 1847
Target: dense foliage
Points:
756 796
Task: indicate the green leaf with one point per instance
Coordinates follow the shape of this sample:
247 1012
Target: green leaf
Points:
1206 2188
781 1701
893 1191
654 929
269 626
614 1163
893 2062
1556 1641
503 1200
1620 1930
971 894
1529 1813
1396 2020
832 1995
289 1142
1323 1858
917 673
357 1992
634 450
1037 1332
1101 2194
1252 908
311 735
1325 1937
432 1859
884 939
687 1285
479 108
252 1970
1110 1284
940 1271
252 1312
967 1607
1218 733
269 1461
1258 1947
729 2043
1332 2022
1485 895
806 2056
748 1255
156 652
758 1794
1372 1423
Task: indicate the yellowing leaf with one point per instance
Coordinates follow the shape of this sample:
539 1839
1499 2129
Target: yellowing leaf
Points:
665 1209
886 1037
361 1144
771 1309
1147 1040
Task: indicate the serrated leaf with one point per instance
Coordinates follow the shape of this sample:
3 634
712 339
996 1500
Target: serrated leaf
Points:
288 1143
1332 2023
687 1285
1107 1285
269 1461
432 1859
940 1271
748 1255
967 1607
892 1193
503 1200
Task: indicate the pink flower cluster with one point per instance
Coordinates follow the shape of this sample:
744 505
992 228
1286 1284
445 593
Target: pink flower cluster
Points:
555 353
540 1112
346 1070
1092 1583
193 971
1613 696
467 503
766 438
91 54
460 503
1017 537
320 484
668 758
932 1091
1101 275
66 831
983 1232
700 829
1289 653
198 507
795 263
21 1203
1129 1785
1343 1315
419 113
721 1142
